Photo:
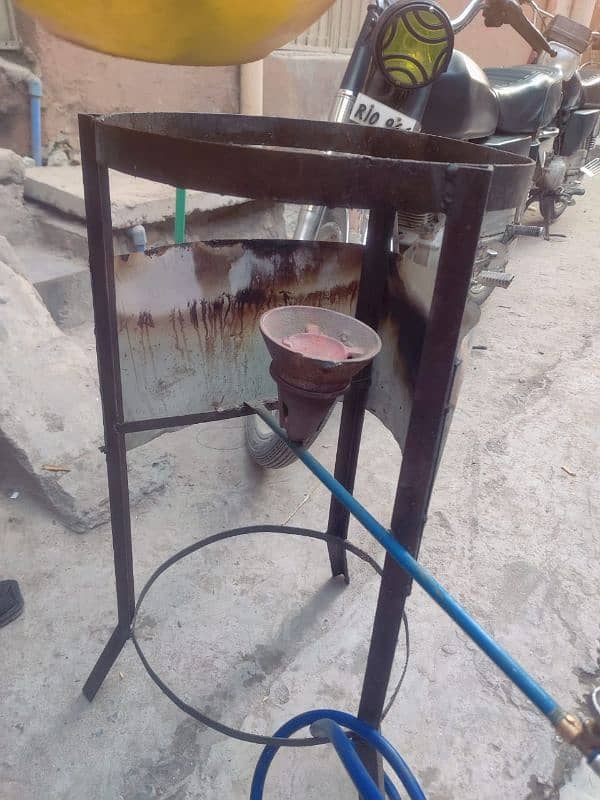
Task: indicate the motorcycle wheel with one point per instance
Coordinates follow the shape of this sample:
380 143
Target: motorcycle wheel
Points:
265 447
552 208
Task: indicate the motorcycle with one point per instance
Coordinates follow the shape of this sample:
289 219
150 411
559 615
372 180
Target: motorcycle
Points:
404 74
564 158
455 101
549 110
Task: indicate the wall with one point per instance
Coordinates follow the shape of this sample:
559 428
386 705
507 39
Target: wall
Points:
77 80
14 107
301 84
490 47
579 10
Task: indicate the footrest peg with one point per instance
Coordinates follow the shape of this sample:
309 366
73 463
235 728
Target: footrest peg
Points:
500 280
592 168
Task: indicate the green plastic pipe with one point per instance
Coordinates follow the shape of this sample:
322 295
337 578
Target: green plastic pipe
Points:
179 216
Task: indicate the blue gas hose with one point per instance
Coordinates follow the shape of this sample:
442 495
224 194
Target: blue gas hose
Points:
364 783
511 668
325 718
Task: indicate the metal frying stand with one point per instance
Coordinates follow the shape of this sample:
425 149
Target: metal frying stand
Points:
294 161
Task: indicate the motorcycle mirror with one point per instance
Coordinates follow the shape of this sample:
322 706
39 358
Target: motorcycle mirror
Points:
413 43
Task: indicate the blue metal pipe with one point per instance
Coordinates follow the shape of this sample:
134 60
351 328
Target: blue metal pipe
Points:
366 732
511 668
35 101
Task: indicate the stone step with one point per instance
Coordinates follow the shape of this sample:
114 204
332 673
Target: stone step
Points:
63 234
134 201
57 263
63 283
50 415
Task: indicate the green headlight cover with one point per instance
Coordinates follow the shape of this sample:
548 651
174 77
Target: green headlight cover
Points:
414 44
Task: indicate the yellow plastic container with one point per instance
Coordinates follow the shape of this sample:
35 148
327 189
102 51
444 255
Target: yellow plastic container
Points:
195 32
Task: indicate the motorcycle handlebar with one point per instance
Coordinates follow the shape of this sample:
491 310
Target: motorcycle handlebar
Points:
516 19
467 15
497 12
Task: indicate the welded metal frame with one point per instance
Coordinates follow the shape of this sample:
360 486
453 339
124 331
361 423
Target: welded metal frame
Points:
219 153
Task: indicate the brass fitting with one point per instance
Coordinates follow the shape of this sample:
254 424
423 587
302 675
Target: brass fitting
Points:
582 734
569 727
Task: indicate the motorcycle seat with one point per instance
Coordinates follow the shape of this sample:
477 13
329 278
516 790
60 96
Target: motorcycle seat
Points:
572 93
529 97
590 87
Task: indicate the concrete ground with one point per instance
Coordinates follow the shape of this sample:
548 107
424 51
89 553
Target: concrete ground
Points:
254 631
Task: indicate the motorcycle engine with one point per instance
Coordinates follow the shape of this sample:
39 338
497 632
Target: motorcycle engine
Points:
423 233
419 239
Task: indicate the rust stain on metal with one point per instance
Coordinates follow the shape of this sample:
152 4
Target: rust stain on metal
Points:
407 325
231 314
406 309
193 309
196 309
173 321
290 282
145 320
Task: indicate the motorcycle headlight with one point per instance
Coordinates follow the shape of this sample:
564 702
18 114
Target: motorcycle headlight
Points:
413 43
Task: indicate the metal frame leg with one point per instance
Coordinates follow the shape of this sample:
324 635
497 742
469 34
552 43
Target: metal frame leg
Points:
107 658
466 196
368 310
97 204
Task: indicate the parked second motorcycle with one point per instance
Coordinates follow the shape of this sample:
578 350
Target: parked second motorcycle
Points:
566 145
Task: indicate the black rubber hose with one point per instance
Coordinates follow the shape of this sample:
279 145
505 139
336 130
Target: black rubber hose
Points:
200 716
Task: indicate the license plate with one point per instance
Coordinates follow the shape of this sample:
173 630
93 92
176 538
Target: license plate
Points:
374 114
